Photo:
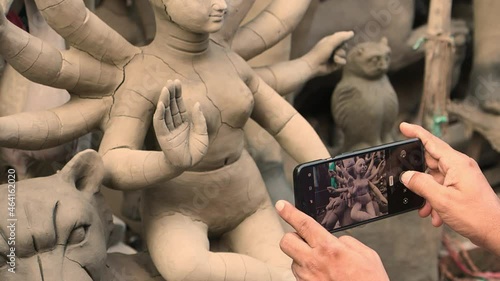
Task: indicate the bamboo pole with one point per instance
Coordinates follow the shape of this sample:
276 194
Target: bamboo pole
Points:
438 68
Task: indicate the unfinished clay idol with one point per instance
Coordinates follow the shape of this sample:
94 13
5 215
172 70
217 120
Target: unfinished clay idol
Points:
364 105
200 182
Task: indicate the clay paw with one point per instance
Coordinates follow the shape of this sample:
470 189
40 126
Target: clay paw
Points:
460 32
184 143
486 124
131 205
328 54
492 107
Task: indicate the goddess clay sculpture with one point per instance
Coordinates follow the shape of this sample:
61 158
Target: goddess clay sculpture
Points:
364 104
283 77
222 194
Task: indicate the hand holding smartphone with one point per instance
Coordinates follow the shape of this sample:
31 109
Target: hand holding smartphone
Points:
359 187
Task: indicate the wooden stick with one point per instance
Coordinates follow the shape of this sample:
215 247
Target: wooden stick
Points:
438 67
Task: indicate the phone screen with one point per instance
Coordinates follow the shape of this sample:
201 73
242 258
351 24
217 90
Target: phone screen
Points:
356 188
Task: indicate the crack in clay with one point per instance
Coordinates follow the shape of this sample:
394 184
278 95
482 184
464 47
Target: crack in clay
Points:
52 6
143 96
47 133
258 35
35 61
144 165
60 71
54 219
121 83
225 268
82 266
129 116
61 126
40 266
231 126
22 49
87 126
245 267
284 124
78 29
277 18
216 133
168 65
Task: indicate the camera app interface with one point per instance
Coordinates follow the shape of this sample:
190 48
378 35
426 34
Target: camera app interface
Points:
352 190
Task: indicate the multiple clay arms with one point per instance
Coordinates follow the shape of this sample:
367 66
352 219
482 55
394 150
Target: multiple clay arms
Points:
86 70
273 24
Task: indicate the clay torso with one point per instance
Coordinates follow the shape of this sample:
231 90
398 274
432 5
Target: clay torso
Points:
218 190
211 79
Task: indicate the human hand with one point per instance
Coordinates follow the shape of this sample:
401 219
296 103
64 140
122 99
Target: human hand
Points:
318 255
183 143
319 57
456 191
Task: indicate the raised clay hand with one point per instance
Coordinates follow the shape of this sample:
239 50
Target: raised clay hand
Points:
320 56
184 143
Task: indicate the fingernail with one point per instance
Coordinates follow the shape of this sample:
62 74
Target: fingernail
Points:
405 177
280 205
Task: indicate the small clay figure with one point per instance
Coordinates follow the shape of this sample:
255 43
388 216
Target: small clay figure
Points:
364 207
364 104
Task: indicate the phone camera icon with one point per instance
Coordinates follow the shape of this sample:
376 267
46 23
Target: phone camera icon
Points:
402 154
405 201
391 181
310 188
309 174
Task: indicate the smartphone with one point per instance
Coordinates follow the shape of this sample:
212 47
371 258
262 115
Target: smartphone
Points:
359 187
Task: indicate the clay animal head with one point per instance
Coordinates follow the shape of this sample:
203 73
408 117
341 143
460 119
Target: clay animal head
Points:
198 16
56 226
370 60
